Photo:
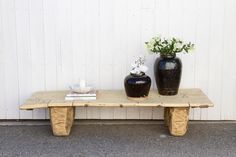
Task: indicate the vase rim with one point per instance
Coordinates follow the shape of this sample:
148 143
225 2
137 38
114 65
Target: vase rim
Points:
137 75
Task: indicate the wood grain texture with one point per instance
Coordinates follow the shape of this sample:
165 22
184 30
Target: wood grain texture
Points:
118 98
62 120
177 119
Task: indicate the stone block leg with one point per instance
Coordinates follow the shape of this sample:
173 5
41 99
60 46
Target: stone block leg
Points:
62 120
178 120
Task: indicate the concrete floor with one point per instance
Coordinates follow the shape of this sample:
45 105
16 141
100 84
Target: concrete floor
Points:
123 140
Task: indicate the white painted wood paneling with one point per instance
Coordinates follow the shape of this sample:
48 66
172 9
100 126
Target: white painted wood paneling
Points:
228 88
9 49
216 53
37 50
2 70
202 55
50 44
24 54
50 48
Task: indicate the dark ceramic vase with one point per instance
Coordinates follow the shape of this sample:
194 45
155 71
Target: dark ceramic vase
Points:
137 86
167 71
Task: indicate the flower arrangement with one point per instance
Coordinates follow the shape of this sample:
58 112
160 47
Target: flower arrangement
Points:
138 67
168 47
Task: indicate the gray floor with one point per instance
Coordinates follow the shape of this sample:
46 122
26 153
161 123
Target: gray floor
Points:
138 140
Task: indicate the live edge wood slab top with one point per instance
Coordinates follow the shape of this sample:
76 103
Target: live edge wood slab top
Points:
117 98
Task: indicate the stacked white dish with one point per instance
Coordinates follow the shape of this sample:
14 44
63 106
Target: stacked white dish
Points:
81 92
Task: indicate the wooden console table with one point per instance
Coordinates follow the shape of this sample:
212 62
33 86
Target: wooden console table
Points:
176 108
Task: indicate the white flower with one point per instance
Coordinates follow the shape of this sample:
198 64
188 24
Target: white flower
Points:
157 47
143 68
138 66
178 40
153 41
169 41
134 71
177 46
157 39
134 65
191 48
170 45
150 46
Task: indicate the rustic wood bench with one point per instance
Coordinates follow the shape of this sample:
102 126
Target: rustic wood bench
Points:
176 108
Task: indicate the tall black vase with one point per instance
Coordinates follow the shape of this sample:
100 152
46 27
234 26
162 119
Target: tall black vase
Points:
167 71
137 86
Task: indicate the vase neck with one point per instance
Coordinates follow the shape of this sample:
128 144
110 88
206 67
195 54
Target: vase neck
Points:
168 56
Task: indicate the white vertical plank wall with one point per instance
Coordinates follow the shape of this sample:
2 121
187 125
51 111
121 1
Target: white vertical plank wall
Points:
2 71
9 51
49 44
24 55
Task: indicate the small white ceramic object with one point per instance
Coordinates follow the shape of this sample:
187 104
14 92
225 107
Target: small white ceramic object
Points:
82 83
83 90
77 88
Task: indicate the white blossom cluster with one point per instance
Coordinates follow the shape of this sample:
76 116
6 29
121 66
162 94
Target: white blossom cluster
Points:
138 67
169 46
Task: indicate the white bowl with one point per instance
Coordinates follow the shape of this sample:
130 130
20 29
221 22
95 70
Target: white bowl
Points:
82 90
78 89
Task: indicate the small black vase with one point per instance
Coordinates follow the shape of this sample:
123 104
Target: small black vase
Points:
137 86
167 71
